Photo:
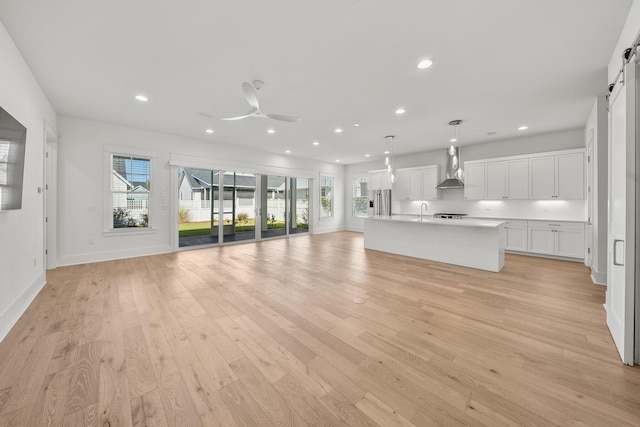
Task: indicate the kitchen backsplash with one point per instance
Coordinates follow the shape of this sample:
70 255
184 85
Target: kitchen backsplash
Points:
561 210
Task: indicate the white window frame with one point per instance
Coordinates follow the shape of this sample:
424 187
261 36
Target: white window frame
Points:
114 150
332 214
360 179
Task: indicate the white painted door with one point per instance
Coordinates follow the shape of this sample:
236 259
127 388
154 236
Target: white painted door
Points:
570 176
496 180
621 230
518 179
430 178
474 183
542 178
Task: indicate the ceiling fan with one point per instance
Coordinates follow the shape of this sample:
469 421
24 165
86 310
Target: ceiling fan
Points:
250 93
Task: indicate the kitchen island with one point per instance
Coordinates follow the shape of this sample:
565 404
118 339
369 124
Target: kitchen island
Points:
475 243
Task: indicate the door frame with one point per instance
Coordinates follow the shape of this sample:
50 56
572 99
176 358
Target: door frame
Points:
590 202
50 206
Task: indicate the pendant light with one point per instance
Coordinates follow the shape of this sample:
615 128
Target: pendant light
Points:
453 150
388 160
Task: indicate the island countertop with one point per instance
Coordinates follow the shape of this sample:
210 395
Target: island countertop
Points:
469 242
462 222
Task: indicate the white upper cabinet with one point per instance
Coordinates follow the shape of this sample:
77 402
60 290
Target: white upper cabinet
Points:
557 177
417 183
402 190
542 176
379 180
496 180
474 183
430 179
385 181
570 176
374 181
518 179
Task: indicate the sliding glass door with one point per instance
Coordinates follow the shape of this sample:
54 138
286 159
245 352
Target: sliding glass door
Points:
299 205
239 206
220 206
198 207
274 206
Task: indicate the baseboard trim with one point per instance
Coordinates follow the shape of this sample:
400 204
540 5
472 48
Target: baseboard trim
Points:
332 230
112 255
533 254
11 315
598 278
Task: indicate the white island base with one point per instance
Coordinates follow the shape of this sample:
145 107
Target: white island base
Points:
466 242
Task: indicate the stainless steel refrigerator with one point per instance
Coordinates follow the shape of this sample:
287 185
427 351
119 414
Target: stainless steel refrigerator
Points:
380 202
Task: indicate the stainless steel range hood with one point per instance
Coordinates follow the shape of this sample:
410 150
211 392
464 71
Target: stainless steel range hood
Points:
453 170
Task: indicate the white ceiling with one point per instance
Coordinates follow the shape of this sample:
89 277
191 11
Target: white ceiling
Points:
498 64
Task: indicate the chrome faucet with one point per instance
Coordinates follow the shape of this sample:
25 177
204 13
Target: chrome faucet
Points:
426 208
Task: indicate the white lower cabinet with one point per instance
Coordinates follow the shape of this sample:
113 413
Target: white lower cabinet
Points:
516 236
570 243
541 240
564 239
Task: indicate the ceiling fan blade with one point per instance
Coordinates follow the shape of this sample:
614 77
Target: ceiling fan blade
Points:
283 118
251 113
250 94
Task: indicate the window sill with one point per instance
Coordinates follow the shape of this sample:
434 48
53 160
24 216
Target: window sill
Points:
128 232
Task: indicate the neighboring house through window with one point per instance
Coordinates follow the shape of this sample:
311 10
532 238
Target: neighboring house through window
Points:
130 191
326 197
360 198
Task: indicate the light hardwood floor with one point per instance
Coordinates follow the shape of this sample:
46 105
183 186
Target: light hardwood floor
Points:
269 334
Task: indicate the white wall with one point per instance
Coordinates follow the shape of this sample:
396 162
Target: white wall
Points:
453 200
597 127
81 186
22 272
627 36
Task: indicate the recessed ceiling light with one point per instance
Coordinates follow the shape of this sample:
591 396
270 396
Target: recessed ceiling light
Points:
523 128
386 152
367 155
400 111
338 130
209 131
271 131
142 98
287 151
491 133
453 140
425 63
316 143
356 124
338 160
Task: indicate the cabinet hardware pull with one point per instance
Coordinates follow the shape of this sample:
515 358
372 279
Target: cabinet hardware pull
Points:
615 252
